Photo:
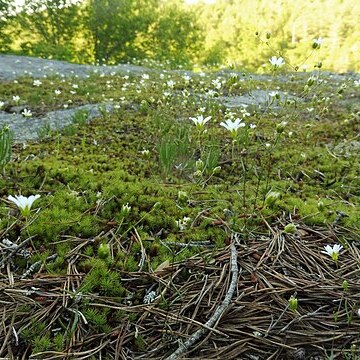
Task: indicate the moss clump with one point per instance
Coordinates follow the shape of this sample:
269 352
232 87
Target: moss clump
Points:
101 279
97 318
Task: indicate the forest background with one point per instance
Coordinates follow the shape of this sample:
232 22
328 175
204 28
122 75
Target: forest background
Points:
241 34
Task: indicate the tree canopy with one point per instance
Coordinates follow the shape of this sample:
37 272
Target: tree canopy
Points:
243 33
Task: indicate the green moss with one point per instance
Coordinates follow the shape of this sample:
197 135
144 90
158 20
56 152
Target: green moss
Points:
42 343
101 279
88 172
140 343
97 318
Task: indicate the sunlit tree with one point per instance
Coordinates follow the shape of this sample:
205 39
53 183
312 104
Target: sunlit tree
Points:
50 26
174 35
113 26
5 16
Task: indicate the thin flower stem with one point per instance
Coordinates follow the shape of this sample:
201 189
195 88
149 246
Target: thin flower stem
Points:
233 148
244 165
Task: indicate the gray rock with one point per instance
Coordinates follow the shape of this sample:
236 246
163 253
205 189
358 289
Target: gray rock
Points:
257 98
24 129
12 67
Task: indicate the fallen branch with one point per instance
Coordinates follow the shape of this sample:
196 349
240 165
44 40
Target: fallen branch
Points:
184 347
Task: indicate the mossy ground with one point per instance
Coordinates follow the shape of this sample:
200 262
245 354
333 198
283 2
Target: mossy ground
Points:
88 173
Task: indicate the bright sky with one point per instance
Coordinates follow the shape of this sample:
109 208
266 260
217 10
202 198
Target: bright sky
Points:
196 1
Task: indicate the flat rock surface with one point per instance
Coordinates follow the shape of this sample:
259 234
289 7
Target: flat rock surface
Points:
13 67
25 129
256 97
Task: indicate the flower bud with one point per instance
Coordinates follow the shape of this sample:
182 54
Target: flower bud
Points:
217 170
183 197
271 198
281 127
199 165
157 205
311 81
125 210
104 251
320 205
290 228
293 303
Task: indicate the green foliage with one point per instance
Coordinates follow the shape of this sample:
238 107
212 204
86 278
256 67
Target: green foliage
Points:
140 343
42 343
112 37
167 155
50 26
99 278
97 318
230 33
66 212
59 342
5 146
5 20
84 31
176 34
173 37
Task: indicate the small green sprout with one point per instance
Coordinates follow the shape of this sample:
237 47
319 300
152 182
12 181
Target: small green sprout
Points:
182 197
293 303
290 228
271 198
320 205
125 210
104 251
281 127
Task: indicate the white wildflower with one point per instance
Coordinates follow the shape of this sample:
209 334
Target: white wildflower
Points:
317 43
26 113
24 203
200 121
277 62
333 251
233 126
